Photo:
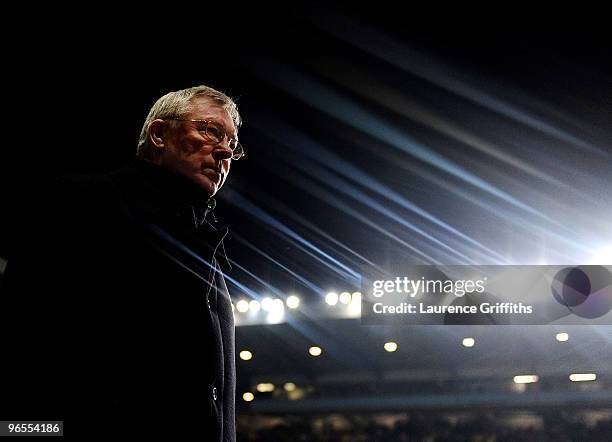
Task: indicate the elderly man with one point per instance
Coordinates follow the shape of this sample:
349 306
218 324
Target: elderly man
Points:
114 303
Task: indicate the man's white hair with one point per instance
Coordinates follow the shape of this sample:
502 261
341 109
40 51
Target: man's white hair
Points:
178 103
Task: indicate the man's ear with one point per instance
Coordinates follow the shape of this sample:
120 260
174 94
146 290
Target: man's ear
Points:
157 130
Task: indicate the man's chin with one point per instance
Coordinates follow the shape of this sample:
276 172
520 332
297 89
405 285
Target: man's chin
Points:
205 184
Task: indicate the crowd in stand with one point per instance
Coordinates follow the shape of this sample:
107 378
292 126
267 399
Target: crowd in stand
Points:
417 429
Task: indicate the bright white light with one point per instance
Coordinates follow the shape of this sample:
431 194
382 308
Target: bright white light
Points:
582 377
254 306
276 311
289 386
242 306
265 387
331 298
525 379
345 297
293 301
602 257
468 342
390 346
246 355
248 396
278 304
562 337
266 303
354 307
315 351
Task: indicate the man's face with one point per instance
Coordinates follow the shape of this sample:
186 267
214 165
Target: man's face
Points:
188 152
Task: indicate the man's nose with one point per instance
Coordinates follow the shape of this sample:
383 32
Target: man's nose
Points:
222 152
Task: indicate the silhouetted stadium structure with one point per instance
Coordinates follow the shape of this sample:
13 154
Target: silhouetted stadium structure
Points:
442 382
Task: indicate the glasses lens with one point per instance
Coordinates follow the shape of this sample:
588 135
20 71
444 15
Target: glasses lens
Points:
238 151
215 132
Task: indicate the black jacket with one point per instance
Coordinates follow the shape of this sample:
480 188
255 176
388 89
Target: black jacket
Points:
117 312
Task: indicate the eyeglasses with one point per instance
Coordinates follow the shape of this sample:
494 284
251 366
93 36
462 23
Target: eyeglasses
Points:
215 133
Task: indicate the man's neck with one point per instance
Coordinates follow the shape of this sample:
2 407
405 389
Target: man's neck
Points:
174 189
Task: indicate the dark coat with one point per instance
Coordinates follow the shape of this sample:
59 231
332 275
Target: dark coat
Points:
117 312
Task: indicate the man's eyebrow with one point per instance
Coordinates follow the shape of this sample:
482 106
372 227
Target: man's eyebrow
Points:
227 131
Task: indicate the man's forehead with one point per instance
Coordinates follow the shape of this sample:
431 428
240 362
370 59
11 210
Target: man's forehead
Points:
206 108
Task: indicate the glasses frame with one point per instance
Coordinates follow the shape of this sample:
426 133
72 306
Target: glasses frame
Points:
237 152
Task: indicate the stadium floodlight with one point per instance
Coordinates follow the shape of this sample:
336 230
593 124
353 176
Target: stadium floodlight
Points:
265 387
390 346
293 301
254 306
246 355
354 308
525 379
469 342
278 304
248 396
242 306
331 298
345 297
582 377
289 386
562 337
276 311
315 351
266 304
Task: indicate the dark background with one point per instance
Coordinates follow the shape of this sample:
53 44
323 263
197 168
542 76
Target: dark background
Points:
84 83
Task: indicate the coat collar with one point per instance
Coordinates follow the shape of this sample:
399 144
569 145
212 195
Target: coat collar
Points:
150 188
153 191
